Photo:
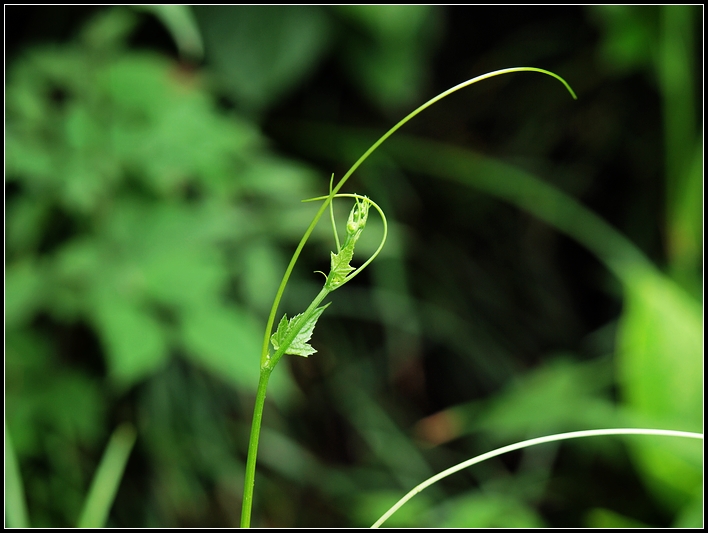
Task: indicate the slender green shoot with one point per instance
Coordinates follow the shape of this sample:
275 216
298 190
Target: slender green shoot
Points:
527 444
340 184
294 334
331 216
107 478
15 504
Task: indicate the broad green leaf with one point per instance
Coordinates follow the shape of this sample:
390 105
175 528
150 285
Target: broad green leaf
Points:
261 266
262 51
225 340
660 367
134 340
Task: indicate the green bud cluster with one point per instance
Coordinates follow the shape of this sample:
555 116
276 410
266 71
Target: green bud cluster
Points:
340 267
357 219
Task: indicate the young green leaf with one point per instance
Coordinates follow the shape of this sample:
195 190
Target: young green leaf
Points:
300 344
340 267
279 336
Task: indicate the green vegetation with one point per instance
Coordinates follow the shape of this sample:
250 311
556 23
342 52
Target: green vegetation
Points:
542 270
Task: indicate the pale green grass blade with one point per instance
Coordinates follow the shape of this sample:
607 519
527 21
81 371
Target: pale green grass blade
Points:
108 477
15 506
527 444
660 372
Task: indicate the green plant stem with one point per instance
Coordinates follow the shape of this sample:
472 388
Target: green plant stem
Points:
269 362
527 444
253 447
273 360
333 191
266 370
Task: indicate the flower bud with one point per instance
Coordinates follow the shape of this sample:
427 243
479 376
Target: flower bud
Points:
357 217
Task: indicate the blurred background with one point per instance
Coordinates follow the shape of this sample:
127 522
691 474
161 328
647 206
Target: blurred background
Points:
543 271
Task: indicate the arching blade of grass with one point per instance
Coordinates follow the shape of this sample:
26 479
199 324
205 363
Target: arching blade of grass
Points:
526 444
107 478
15 506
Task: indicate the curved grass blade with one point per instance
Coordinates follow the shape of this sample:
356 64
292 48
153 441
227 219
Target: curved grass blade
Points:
107 478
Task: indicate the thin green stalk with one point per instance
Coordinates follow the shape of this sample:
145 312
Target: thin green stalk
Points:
340 184
15 504
107 478
253 447
267 362
527 444
266 370
293 329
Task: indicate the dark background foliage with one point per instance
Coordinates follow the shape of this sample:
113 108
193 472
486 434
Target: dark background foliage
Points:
153 183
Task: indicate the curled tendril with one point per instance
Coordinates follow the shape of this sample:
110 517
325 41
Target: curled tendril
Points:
356 217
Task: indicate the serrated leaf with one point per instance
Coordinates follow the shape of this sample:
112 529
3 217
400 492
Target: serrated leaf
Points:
277 338
300 344
340 267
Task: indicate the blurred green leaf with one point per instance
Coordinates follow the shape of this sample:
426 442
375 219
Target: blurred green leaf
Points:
660 370
691 515
488 510
180 22
560 396
52 410
108 30
225 341
389 63
24 292
675 67
135 342
686 224
25 221
606 518
262 269
262 51
628 42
